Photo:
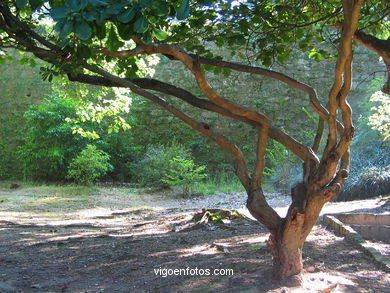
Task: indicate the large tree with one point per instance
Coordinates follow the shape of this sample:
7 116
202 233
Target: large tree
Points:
98 42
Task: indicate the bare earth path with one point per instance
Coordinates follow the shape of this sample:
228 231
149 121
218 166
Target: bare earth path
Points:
115 240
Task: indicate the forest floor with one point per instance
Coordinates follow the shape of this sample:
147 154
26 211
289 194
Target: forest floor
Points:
70 239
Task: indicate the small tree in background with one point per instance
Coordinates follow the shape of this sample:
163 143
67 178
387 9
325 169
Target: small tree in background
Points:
152 166
89 165
184 173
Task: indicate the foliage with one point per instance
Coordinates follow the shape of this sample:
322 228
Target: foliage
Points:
370 182
380 118
150 168
60 127
281 161
49 144
369 152
184 173
89 165
20 86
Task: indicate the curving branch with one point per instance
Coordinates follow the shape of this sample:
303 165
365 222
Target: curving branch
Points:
289 142
248 114
379 46
193 65
260 158
313 98
327 178
15 24
314 101
338 94
240 163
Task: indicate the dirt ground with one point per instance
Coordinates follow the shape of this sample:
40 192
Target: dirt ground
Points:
114 240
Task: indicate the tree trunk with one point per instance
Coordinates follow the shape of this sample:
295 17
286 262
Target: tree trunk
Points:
287 256
287 235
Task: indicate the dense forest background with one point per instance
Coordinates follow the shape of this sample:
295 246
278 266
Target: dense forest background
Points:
45 125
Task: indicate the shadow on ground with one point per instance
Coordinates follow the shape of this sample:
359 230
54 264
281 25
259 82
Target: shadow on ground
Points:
106 258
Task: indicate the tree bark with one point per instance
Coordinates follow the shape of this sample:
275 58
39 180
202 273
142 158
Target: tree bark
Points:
287 235
286 245
286 238
287 256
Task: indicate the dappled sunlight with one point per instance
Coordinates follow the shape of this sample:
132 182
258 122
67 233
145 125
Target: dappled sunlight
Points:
49 200
254 239
352 206
131 246
204 249
116 231
322 281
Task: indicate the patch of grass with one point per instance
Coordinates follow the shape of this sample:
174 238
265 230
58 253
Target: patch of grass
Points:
223 183
63 191
45 198
6 185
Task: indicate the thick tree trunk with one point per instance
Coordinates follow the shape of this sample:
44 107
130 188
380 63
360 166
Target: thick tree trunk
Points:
289 234
287 256
286 239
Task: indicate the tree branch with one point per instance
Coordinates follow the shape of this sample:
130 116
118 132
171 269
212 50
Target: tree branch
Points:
240 164
194 66
314 101
10 18
379 46
260 158
290 143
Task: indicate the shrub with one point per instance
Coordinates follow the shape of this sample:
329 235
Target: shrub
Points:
184 173
89 165
370 182
49 144
155 163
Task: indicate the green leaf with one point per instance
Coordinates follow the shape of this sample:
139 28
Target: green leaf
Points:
64 42
113 42
90 15
21 3
125 31
35 3
32 62
101 31
145 3
184 10
84 51
59 25
58 13
82 4
161 9
97 2
141 25
316 56
83 31
24 60
152 19
127 15
66 30
160 35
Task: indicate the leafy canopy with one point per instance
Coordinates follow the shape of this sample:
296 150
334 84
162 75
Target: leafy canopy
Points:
266 29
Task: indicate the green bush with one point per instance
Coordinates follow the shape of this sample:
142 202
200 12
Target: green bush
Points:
89 165
155 163
184 173
370 182
49 144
